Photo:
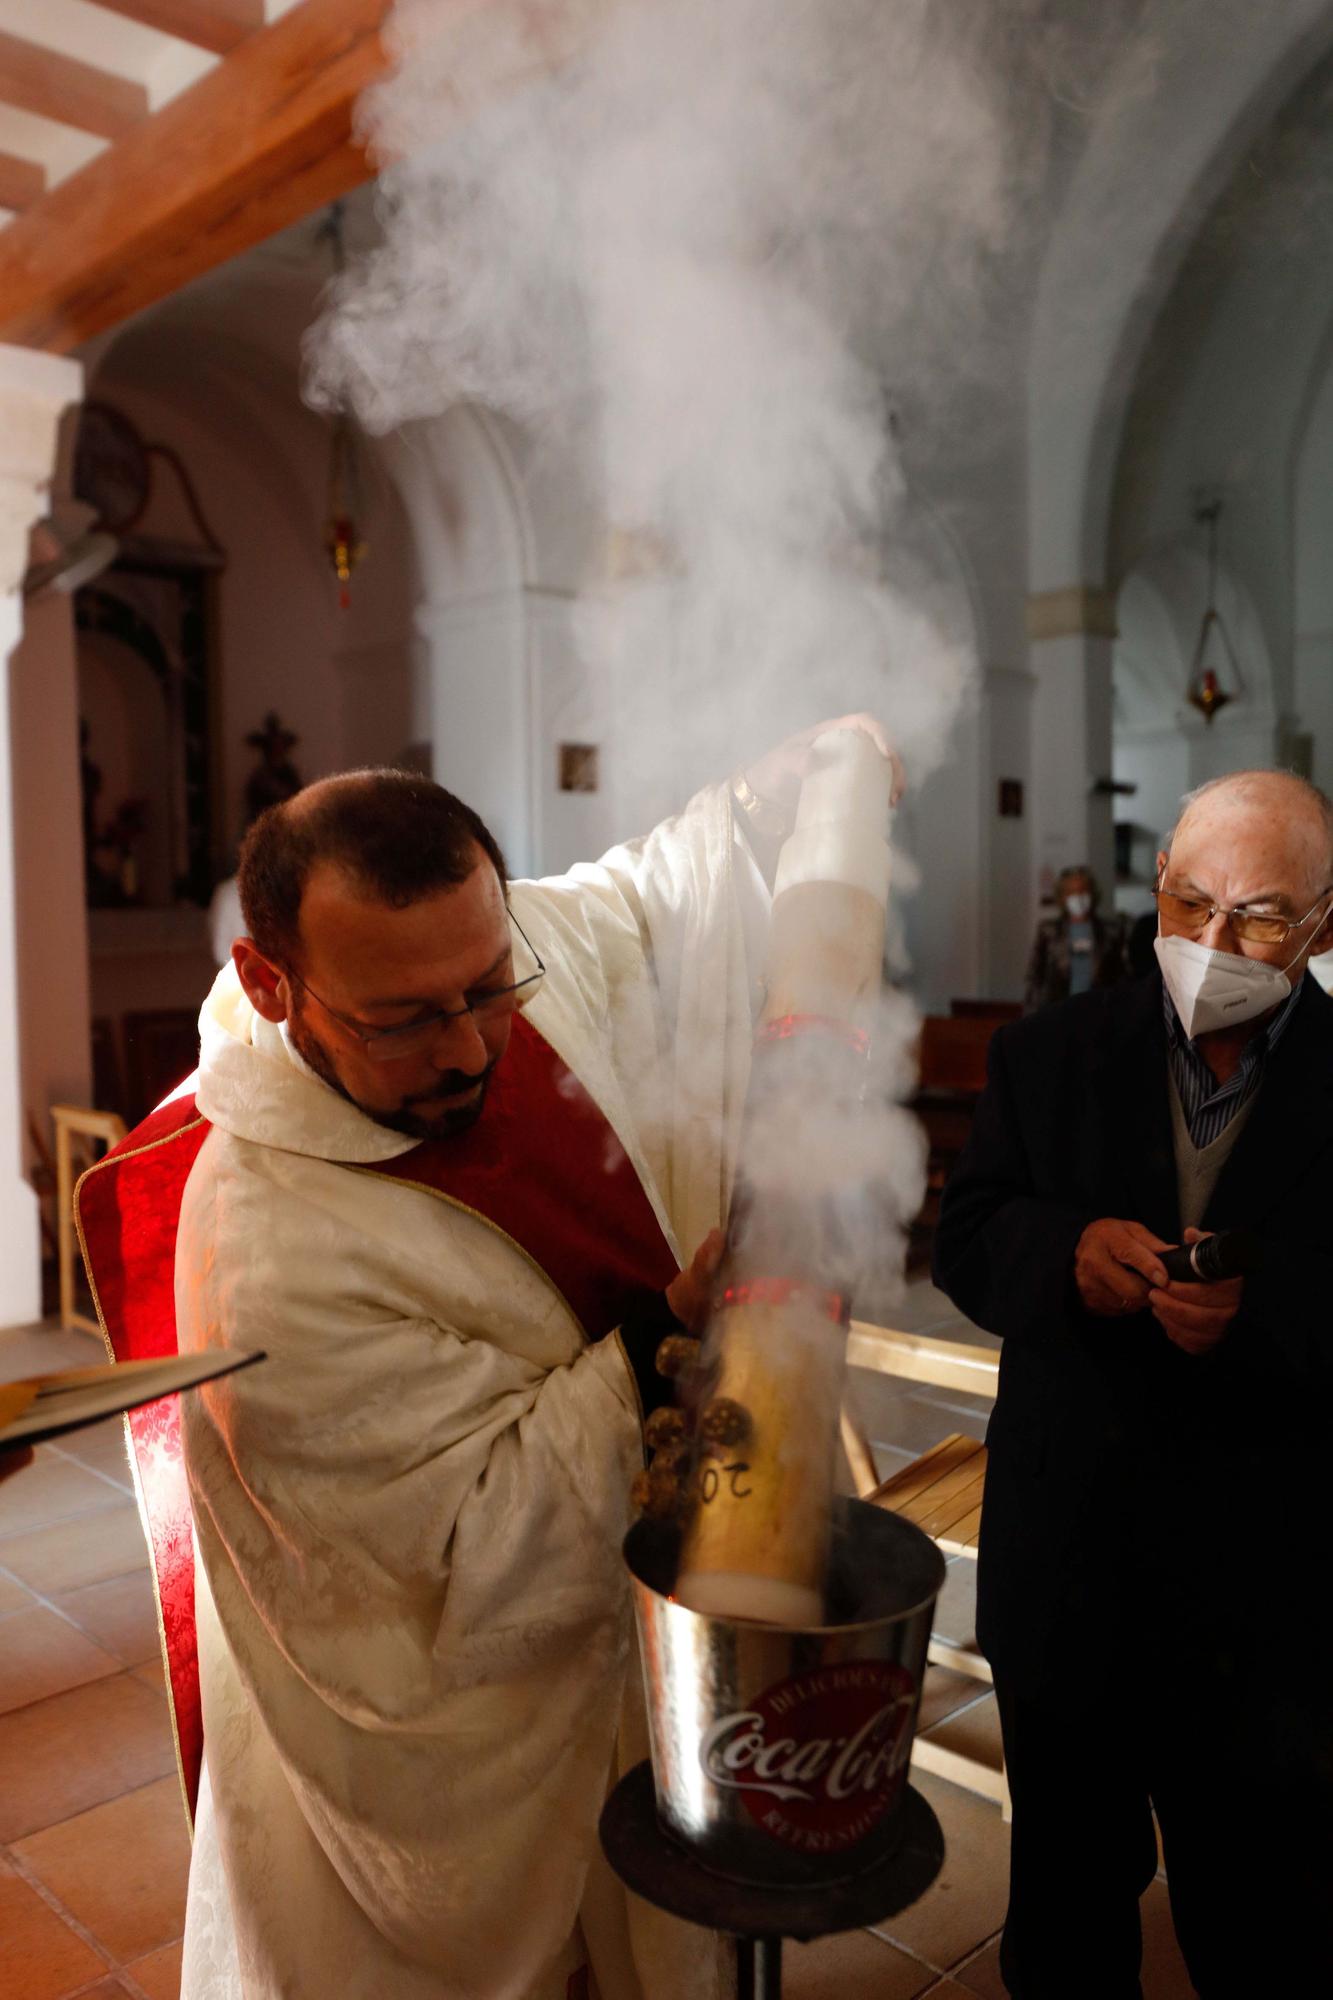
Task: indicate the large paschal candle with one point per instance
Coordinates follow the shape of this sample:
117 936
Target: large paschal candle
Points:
774 1357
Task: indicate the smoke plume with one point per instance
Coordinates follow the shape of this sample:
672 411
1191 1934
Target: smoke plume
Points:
702 248
703 252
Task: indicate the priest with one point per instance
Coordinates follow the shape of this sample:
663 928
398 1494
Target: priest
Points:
451 1141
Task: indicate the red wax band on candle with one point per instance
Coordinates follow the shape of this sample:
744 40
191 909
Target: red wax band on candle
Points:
781 1291
788 1026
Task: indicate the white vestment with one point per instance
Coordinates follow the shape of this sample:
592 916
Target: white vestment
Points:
413 1620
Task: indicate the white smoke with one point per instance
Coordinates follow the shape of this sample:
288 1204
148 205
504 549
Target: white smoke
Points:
703 251
701 247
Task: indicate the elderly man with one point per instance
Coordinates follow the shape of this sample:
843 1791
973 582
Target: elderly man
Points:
1152 1533
452 1140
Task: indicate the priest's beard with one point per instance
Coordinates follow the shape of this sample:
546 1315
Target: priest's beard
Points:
416 1124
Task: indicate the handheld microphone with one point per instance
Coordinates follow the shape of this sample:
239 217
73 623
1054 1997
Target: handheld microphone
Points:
1234 1253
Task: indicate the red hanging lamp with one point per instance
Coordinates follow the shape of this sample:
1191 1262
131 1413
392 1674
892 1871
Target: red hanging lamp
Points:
1203 689
343 540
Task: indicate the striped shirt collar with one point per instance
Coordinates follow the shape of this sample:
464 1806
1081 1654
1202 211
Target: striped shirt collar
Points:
1210 1106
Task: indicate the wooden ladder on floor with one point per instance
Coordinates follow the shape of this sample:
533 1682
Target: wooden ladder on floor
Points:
940 1492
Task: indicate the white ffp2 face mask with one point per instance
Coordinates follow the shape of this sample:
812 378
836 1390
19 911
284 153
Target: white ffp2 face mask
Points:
1217 989
1079 905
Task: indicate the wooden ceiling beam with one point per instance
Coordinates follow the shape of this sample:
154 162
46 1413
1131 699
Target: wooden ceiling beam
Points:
216 25
71 92
260 141
22 182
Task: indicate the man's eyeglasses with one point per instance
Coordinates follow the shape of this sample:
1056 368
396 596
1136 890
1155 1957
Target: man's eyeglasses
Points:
1193 914
415 1037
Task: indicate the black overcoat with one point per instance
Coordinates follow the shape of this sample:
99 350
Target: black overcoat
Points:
1139 1500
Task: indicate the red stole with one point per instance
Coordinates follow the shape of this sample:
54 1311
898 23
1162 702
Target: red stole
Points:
542 1165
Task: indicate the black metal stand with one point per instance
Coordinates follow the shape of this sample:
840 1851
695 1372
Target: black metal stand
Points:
656 1867
758 1968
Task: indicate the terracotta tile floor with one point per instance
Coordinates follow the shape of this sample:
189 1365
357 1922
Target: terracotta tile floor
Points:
93 1847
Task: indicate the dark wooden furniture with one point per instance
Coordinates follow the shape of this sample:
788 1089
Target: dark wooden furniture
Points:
161 1047
952 1077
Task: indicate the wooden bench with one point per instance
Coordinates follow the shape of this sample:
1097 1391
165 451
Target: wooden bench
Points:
941 1493
951 1077
995 1011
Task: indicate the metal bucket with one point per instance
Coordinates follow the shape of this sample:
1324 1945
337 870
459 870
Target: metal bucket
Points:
780 1756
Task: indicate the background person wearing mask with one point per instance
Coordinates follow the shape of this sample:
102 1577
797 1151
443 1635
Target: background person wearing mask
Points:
1148 1592
1077 948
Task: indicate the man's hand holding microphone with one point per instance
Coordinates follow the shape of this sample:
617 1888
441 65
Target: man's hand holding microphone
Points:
1119 1268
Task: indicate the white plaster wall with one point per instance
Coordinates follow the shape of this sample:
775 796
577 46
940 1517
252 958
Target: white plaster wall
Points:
34 390
259 461
463 503
1313 579
1071 750
1159 765
1010 905
481 709
505 537
1314 701
52 940
939 830
570 705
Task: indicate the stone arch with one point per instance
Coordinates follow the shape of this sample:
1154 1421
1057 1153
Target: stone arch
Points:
1116 248
465 504
467 514
1156 166
1312 593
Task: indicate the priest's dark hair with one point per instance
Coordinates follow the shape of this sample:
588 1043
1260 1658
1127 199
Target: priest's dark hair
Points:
398 835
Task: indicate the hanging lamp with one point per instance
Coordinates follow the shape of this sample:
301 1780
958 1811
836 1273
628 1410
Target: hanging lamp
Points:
1204 690
342 536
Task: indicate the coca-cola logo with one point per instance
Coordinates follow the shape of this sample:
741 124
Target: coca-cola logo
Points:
818 1760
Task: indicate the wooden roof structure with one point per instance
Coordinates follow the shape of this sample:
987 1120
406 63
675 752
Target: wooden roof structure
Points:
127 176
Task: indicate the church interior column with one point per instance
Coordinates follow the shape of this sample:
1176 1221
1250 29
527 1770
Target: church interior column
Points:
34 390
1071 634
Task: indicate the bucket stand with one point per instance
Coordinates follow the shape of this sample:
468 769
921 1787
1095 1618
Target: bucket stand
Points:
656 1867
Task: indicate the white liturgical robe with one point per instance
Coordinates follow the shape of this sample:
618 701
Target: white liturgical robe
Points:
414 1629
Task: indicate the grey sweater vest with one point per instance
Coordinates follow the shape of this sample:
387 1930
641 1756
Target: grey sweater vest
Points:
1198 1168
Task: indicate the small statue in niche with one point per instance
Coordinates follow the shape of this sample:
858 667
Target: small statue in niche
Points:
90 778
122 836
116 887
274 778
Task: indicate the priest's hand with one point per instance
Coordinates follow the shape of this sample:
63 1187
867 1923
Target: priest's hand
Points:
775 778
1196 1317
690 1291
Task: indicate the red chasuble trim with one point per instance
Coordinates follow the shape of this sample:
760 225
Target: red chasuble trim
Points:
127 1211
542 1167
